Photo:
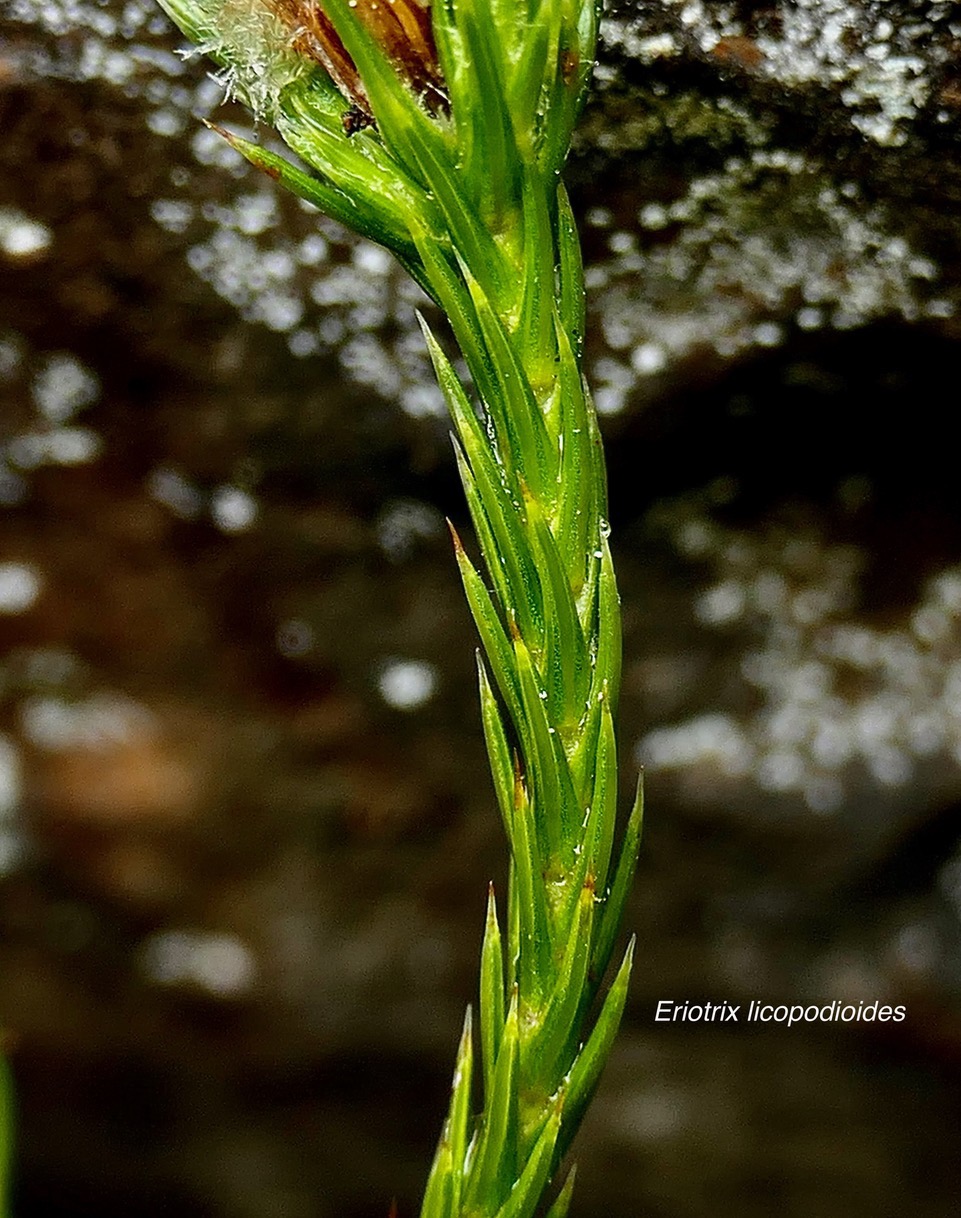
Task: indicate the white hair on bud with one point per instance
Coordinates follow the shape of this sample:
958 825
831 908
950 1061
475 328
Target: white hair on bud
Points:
254 48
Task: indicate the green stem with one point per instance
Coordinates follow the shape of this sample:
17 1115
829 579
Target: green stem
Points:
6 1134
533 473
470 203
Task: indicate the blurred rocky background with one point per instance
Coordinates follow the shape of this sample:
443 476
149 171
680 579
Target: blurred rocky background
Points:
245 821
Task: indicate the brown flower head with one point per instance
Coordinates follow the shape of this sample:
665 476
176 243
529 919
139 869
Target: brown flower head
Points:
401 27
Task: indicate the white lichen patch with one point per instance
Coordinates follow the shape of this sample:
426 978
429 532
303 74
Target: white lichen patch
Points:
405 523
406 684
883 70
58 385
52 722
21 237
219 963
884 75
20 585
13 844
170 488
62 386
88 41
838 697
761 245
232 509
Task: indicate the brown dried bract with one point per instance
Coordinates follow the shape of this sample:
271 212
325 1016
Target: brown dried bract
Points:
403 29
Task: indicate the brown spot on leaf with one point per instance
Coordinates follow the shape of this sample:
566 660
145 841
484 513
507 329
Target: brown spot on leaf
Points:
570 62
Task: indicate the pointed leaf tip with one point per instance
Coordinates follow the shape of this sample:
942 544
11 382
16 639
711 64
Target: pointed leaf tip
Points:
562 1202
455 536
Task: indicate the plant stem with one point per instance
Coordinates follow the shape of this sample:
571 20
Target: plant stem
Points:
532 468
6 1134
454 165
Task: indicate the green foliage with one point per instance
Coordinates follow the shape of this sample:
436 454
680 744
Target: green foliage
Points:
6 1135
469 200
